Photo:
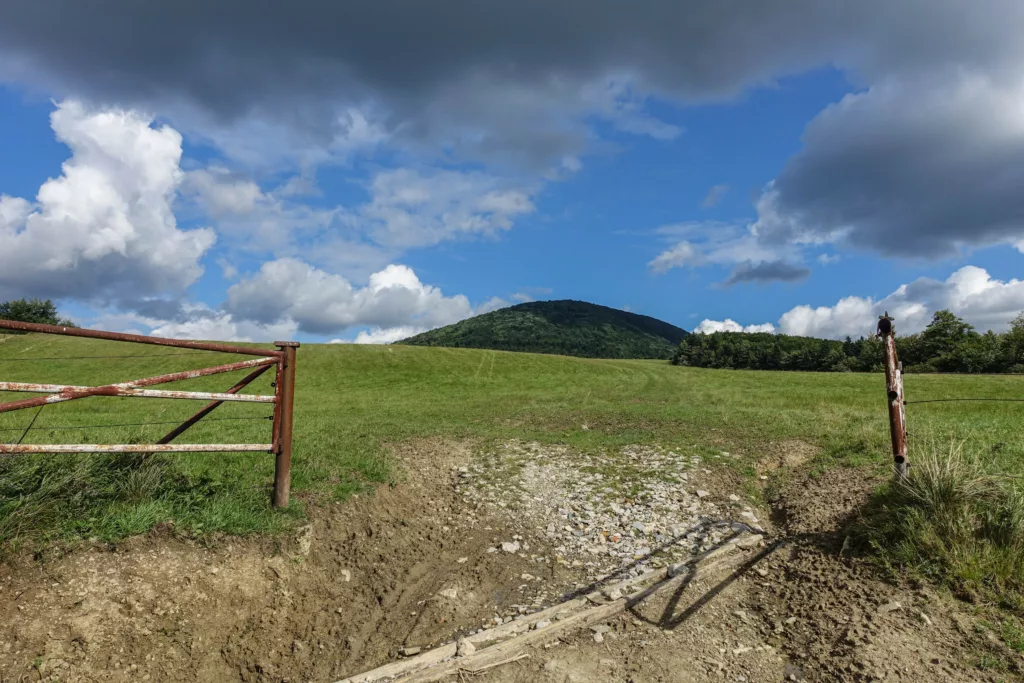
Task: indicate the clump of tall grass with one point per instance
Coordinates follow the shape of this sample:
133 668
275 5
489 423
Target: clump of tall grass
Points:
951 520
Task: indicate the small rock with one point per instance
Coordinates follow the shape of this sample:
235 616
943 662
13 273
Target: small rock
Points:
761 571
889 607
924 617
462 560
734 498
346 575
601 628
598 638
512 547
464 648
543 623
790 621
450 593
678 569
749 541
410 651
703 494
742 649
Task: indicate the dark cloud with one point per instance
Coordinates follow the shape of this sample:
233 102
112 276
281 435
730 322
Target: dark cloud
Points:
487 78
766 271
907 170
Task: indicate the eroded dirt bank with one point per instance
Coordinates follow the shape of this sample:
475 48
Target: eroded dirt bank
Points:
471 539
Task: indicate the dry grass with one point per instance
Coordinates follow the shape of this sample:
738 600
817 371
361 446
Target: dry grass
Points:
952 520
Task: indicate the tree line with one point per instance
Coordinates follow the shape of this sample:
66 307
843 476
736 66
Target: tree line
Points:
42 311
948 344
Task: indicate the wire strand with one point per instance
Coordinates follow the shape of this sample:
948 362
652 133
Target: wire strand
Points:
950 400
25 433
144 355
131 424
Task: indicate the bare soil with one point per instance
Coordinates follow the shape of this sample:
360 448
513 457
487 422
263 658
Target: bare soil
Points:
419 563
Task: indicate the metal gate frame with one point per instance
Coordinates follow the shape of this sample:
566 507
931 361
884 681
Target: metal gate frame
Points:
283 359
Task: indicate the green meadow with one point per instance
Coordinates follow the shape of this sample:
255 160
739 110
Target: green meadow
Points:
353 402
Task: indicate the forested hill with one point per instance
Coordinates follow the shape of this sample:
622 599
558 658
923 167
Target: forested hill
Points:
570 328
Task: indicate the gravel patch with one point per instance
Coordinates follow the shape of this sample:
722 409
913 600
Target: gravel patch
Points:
606 516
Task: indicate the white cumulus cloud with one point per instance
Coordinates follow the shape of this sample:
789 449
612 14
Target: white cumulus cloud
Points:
970 292
729 325
321 303
104 230
384 336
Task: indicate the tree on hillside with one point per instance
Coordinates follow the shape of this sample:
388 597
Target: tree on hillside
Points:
33 311
945 332
1013 345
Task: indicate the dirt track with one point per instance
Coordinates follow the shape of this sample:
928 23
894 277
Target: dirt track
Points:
417 564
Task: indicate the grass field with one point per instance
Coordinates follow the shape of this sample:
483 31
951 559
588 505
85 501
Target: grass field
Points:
352 401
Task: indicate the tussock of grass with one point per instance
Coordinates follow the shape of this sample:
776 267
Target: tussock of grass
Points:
950 520
113 496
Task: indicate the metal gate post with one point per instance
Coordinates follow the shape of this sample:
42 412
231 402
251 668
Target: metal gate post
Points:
894 391
285 391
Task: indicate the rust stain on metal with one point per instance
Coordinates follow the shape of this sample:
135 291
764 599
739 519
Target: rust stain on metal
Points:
135 338
61 393
139 448
283 359
283 432
199 372
209 408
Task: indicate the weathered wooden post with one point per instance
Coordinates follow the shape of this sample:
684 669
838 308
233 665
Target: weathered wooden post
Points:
894 391
283 420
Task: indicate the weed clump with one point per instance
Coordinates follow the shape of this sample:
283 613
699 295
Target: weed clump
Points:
952 521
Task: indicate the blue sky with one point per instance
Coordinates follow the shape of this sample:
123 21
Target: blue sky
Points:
388 174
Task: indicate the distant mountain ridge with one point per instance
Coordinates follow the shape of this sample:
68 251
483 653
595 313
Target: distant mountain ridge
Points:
565 327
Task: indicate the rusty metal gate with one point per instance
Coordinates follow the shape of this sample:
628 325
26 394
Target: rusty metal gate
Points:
282 360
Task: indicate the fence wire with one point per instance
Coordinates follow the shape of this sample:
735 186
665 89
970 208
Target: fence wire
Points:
128 424
145 355
951 400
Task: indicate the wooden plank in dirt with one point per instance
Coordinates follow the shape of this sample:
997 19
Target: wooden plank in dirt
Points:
513 649
438 663
405 666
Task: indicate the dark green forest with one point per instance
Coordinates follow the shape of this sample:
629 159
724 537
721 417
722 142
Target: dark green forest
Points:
569 328
948 344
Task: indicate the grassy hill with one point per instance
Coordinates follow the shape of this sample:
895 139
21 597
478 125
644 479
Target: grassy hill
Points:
568 328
